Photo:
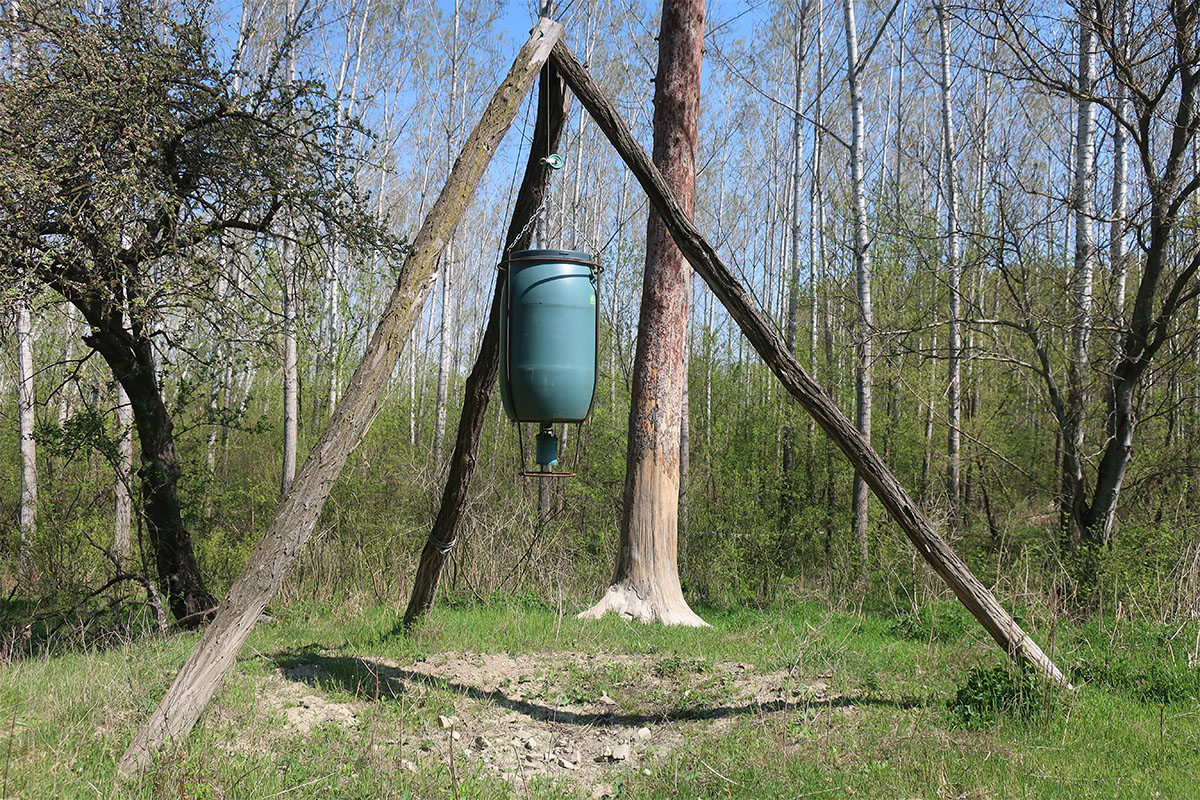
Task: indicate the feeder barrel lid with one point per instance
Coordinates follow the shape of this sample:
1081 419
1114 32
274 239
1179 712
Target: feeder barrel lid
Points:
576 256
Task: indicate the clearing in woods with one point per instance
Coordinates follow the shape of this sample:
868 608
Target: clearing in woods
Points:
510 701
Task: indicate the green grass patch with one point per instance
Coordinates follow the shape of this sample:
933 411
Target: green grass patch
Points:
901 715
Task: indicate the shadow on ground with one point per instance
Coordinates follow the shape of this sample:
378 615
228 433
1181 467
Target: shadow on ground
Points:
371 680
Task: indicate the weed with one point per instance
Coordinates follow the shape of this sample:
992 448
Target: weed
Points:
676 665
992 692
941 622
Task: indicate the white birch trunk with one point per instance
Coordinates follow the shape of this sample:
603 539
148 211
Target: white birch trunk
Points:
862 258
444 347
1117 253
123 504
816 204
445 322
26 400
291 376
1081 323
954 275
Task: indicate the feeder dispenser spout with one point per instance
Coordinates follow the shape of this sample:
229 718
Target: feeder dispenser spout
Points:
547 447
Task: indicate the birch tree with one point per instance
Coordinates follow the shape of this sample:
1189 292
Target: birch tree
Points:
288 267
862 261
1083 207
793 289
26 414
26 390
953 271
1153 77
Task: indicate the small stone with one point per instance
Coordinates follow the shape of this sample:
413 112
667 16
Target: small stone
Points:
482 743
600 791
445 722
646 772
620 753
531 744
407 765
456 736
643 734
606 700
565 764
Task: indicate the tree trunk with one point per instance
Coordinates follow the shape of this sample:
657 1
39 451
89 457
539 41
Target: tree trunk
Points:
1074 503
26 405
123 504
445 327
70 339
788 490
26 391
862 261
645 583
296 517
816 195
927 457
291 373
954 273
685 433
1118 259
288 282
771 348
443 373
130 354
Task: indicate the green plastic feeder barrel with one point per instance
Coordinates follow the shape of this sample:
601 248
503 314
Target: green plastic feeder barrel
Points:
548 336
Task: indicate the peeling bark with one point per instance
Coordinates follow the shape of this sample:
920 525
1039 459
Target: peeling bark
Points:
645 585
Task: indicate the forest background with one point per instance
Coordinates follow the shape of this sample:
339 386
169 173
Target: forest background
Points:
1011 251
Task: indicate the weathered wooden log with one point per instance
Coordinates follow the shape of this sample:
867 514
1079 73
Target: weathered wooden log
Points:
772 349
547 131
296 517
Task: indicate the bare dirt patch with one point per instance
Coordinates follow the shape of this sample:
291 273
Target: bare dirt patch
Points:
578 718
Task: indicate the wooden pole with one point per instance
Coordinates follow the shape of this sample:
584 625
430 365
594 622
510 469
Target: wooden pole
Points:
774 352
297 514
547 131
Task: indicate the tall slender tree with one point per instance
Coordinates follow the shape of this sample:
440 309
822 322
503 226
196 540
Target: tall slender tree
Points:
646 584
123 500
1083 206
26 390
289 286
953 272
445 319
793 288
865 323
26 413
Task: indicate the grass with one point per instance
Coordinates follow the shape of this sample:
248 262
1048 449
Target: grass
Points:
1132 730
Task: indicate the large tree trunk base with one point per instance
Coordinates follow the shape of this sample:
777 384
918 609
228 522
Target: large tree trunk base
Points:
625 601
